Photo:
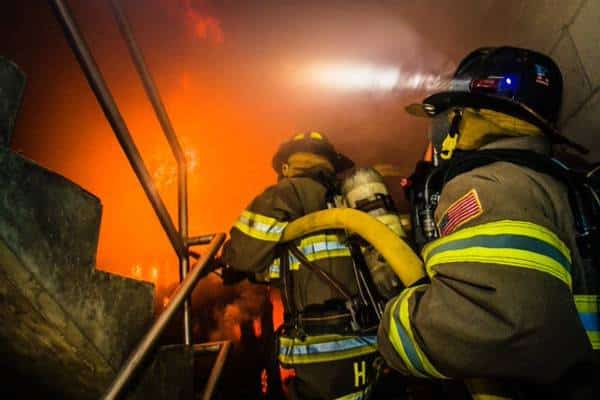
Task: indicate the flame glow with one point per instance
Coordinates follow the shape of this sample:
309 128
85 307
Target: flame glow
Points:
257 327
206 27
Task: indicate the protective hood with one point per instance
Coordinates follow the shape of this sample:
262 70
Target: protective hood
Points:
476 128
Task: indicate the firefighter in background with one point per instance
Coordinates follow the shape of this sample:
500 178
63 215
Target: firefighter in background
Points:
317 339
504 266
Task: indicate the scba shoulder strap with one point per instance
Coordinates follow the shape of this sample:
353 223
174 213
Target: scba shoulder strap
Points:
362 318
583 195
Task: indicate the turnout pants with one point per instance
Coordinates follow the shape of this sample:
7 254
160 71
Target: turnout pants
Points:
329 367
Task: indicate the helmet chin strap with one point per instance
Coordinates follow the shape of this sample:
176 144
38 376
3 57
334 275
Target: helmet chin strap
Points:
451 139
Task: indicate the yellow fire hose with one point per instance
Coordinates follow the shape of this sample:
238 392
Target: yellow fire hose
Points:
400 257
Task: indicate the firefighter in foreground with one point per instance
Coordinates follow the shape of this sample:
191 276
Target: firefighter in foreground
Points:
319 339
504 266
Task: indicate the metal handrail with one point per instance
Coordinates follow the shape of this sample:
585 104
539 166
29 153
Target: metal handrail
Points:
149 340
179 239
114 117
216 370
167 127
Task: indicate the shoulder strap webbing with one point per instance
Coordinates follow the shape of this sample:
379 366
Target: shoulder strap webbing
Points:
464 162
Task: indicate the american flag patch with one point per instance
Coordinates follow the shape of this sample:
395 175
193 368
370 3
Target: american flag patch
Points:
541 75
462 210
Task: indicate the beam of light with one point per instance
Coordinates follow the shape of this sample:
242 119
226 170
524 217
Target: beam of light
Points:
355 77
367 77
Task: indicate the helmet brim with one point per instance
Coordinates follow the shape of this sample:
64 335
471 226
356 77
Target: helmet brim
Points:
339 161
442 101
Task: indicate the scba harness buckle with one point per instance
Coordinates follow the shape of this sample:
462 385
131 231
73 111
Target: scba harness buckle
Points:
362 317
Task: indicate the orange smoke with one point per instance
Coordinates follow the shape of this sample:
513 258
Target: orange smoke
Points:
202 24
228 131
207 28
228 164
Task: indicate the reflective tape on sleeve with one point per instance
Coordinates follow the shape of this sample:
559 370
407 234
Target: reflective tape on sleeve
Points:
260 226
402 337
510 243
588 307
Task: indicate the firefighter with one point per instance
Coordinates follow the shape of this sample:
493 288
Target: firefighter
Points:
319 339
504 265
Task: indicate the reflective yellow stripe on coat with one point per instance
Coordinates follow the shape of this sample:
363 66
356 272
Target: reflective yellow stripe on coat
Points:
315 247
360 395
324 348
260 226
402 337
517 244
588 307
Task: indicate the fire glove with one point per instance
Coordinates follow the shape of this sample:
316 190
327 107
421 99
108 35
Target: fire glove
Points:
385 279
229 275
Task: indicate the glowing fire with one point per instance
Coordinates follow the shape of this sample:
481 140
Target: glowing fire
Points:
205 27
275 296
150 274
264 381
163 167
257 327
137 271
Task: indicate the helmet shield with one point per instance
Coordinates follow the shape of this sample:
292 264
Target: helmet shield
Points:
517 82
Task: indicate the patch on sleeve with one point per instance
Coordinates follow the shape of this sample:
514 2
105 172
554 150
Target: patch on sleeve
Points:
461 211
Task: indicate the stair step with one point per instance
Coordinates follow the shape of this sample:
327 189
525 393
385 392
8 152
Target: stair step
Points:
63 323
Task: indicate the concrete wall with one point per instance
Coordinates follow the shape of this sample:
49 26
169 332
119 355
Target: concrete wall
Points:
570 32
578 52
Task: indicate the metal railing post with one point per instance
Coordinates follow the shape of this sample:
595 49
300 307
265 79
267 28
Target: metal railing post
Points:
167 127
179 238
114 117
149 340
216 370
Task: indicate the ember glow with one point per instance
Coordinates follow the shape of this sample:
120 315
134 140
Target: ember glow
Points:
206 27
221 69
257 327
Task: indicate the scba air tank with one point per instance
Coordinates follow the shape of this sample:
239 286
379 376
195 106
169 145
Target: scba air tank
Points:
365 190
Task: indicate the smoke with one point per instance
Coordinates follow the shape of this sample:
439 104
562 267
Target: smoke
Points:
163 167
203 25
222 312
230 103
